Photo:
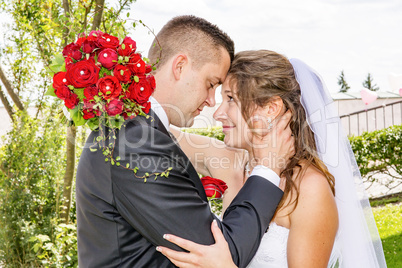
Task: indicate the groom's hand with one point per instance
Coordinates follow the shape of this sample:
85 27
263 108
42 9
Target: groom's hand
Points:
273 145
216 255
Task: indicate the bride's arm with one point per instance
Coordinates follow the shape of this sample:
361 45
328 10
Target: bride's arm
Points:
314 223
211 157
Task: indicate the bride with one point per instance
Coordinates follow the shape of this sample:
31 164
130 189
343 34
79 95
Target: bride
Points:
324 218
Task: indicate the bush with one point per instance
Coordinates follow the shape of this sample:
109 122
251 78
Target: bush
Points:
379 152
32 162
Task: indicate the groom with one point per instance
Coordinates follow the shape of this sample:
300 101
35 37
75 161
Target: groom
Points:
120 218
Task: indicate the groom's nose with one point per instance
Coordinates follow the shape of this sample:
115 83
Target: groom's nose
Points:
211 98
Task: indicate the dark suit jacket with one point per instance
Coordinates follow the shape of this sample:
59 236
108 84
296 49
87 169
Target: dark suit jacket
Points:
121 219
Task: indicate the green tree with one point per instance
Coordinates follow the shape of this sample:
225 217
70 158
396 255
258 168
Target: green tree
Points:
39 31
342 82
368 83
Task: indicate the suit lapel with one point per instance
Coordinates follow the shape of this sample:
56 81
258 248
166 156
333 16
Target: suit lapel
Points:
154 121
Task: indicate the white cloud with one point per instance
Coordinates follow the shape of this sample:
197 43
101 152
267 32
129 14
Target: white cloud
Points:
356 36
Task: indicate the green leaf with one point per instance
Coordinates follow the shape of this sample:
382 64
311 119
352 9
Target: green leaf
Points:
136 79
77 116
128 15
118 158
93 123
50 91
127 165
121 72
79 92
93 149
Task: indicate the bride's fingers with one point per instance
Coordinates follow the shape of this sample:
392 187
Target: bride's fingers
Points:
217 233
181 242
176 257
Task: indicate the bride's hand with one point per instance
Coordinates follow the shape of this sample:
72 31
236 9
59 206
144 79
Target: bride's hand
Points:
273 146
216 255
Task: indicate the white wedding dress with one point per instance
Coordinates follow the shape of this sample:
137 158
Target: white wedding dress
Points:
272 252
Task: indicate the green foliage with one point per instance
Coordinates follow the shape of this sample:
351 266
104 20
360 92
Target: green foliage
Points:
389 224
342 82
379 152
62 252
368 83
213 132
32 161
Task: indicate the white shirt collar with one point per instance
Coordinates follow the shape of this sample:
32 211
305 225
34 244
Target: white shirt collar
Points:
160 112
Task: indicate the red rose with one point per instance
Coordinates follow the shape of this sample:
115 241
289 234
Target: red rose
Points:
140 91
122 73
127 47
83 73
109 86
59 80
213 187
94 35
151 81
147 107
114 107
62 92
148 68
72 50
88 110
71 101
88 114
136 64
68 61
88 46
90 92
108 58
107 41
81 40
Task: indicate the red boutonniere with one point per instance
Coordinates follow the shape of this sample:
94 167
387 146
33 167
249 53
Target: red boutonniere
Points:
214 188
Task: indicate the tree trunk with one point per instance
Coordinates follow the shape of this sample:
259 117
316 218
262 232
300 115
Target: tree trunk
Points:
6 104
66 8
69 175
10 90
99 5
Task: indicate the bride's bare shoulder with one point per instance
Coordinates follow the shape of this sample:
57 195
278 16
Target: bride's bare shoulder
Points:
313 181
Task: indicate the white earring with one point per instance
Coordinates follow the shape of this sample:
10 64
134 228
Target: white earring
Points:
269 123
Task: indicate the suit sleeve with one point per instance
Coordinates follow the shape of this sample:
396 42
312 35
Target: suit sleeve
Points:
173 204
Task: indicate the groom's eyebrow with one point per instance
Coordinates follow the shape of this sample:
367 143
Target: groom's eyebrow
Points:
219 80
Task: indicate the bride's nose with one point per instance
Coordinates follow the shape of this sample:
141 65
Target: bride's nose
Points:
220 113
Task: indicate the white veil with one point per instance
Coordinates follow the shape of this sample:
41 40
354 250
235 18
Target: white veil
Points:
357 239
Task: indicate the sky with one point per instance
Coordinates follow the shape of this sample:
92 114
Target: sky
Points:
356 36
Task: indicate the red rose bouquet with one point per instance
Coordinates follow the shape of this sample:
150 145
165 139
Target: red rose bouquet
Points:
102 80
214 188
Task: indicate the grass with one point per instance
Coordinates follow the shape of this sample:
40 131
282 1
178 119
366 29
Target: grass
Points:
388 216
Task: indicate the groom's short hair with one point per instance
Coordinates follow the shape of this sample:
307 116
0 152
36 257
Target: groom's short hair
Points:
193 35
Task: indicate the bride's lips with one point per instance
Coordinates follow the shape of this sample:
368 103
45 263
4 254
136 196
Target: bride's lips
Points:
227 128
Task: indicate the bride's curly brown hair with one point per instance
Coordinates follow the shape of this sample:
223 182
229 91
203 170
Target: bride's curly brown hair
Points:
260 75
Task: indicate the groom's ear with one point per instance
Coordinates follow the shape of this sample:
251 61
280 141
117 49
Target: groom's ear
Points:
179 63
